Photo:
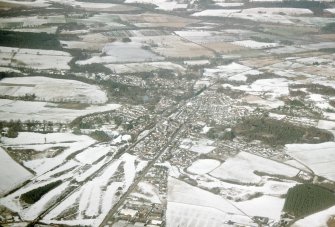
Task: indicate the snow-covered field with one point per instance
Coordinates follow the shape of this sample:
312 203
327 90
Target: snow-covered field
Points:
190 206
97 192
42 142
28 22
233 71
97 6
161 4
264 206
318 219
267 15
25 110
147 192
12 174
145 67
174 47
331 10
92 154
122 52
269 90
281 11
34 58
196 62
49 30
318 157
242 167
255 44
93 200
48 89
201 146
229 4
202 166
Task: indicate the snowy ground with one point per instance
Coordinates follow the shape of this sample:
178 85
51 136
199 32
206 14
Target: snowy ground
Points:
161 4
34 58
145 67
193 207
264 15
269 90
318 219
12 174
318 157
255 44
233 71
201 146
93 200
242 167
30 21
118 52
41 142
25 110
101 180
202 166
48 89
266 206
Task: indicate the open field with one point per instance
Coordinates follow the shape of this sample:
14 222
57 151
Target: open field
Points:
12 174
317 157
34 58
48 89
176 113
242 167
40 111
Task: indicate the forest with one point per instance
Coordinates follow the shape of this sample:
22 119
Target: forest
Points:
275 132
37 193
305 199
29 40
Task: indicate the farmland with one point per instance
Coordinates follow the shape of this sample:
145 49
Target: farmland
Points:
167 113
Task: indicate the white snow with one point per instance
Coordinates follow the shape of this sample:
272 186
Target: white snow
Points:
281 11
92 154
12 174
197 62
229 4
203 166
119 52
270 89
190 206
233 71
148 192
73 143
64 205
273 16
318 219
180 192
49 89
161 4
34 58
254 44
264 206
201 146
330 10
26 110
318 157
242 167
47 200
145 67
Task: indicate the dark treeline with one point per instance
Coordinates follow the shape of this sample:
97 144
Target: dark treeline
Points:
275 132
12 128
36 194
29 40
305 199
316 88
